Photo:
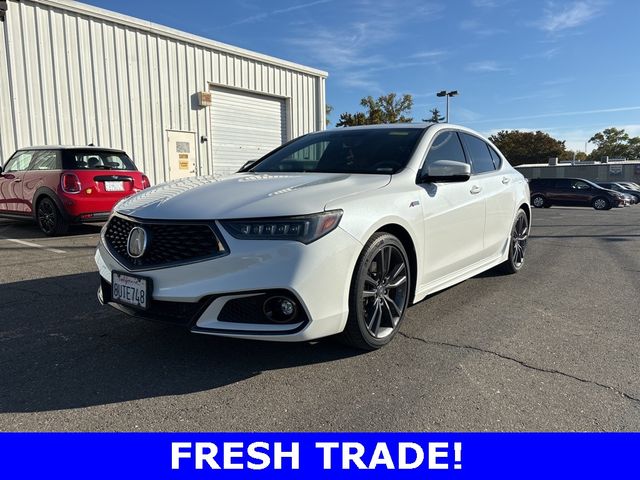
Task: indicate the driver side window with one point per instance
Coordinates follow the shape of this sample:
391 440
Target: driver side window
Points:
446 146
578 185
19 163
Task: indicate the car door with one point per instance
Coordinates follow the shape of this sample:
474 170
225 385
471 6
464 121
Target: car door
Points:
44 169
499 196
454 215
560 192
11 199
579 193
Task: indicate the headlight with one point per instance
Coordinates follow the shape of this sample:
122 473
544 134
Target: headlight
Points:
303 228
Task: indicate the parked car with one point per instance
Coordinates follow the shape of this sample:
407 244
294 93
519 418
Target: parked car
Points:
630 185
620 188
546 192
336 231
57 186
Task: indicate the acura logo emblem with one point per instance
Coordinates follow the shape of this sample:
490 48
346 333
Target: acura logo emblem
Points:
137 242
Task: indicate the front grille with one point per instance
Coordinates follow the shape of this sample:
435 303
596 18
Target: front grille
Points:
168 243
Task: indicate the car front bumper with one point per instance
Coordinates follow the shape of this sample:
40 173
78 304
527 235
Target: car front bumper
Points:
317 276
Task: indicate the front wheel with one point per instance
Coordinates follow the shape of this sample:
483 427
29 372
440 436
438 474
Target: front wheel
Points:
517 244
379 294
49 218
601 204
539 201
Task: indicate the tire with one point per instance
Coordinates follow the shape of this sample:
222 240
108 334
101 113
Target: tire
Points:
379 294
517 244
601 203
539 201
50 219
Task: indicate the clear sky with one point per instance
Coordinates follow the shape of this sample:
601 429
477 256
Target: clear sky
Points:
570 68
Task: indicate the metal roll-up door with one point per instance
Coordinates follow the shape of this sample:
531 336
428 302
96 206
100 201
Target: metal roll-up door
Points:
244 126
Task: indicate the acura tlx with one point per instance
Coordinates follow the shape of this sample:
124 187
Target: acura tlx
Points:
335 232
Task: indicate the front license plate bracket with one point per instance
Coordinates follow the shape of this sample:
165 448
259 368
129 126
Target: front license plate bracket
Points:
131 290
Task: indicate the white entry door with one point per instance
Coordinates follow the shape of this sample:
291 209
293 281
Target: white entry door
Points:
182 154
244 126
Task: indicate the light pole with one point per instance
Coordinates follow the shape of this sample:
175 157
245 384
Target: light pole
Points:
444 93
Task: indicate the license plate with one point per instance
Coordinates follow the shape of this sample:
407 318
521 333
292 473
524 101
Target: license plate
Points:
114 186
130 290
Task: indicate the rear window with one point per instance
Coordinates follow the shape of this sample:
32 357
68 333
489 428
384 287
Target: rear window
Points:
481 160
96 160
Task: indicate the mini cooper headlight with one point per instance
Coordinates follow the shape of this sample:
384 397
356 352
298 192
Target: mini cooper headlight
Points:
303 228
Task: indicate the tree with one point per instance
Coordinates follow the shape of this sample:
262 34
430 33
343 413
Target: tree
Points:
385 109
634 148
614 143
527 147
435 116
328 109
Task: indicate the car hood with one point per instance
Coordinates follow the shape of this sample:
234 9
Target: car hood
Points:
246 195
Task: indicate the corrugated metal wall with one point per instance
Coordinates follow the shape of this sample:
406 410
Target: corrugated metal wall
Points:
616 172
74 74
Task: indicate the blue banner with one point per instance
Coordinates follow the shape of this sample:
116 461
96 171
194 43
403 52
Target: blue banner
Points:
319 455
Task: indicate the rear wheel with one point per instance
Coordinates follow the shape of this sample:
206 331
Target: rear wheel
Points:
539 201
379 293
517 244
49 218
601 203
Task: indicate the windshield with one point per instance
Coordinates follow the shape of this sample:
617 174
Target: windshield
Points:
96 160
375 150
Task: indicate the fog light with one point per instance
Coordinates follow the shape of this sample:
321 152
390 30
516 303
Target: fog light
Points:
286 307
280 309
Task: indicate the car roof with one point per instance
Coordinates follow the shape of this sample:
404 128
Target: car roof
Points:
71 147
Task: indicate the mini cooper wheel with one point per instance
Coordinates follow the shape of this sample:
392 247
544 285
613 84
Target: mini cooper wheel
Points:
517 243
539 201
50 219
601 203
379 293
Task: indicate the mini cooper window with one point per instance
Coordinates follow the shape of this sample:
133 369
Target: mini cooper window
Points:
19 162
375 150
96 160
45 160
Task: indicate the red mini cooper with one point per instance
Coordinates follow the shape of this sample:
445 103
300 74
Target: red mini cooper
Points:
59 186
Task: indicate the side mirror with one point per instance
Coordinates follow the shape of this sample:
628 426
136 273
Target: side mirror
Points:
1 170
447 171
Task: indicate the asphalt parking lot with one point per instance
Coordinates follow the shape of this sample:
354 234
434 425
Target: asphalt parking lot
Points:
552 348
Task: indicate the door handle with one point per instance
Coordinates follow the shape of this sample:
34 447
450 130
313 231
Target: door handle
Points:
17 180
475 189
505 180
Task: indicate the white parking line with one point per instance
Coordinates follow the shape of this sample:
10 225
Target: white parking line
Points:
34 245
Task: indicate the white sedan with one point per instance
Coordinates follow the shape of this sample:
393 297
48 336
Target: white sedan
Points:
335 232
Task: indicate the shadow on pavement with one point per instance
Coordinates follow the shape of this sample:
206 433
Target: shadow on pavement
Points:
23 230
60 349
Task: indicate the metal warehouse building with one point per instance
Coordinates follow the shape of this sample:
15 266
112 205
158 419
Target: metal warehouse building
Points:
179 104
598 172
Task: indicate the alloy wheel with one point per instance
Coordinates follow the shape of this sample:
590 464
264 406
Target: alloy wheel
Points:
47 216
519 237
385 291
600 204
